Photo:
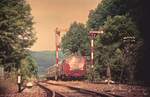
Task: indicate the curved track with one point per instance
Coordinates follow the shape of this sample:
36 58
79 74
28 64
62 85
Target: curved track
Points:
49 92
58 90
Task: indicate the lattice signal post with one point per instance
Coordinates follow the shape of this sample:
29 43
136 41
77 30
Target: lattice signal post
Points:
93 34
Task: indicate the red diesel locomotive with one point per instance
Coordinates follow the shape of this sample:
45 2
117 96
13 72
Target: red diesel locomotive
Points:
74 66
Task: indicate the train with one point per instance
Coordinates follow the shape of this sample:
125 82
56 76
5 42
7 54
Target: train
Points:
72 67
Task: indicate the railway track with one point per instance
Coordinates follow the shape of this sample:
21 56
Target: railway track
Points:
59 90
49 92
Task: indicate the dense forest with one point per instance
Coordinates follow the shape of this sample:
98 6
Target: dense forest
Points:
121 53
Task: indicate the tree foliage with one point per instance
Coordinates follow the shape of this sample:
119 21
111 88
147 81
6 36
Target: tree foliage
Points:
76 39
119 19
111 48
28 68
104 9
16 31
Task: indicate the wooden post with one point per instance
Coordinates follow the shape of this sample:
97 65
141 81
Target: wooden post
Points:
19 82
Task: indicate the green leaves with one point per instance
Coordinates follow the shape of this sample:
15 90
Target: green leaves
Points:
117 19
110 48
118 27
16 31
104 9
75 39
28 68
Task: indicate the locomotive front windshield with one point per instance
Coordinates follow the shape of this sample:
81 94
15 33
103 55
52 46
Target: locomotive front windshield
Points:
76 63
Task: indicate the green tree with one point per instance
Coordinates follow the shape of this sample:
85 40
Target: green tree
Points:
110 47
105 8
135 10
28 68
16 31
75 40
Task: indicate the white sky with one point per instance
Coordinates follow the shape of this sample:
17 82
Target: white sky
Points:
49 14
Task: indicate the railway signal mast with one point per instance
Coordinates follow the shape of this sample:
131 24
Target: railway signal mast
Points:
57 37
57 41
92 36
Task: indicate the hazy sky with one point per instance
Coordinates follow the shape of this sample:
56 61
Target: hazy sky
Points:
49 14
